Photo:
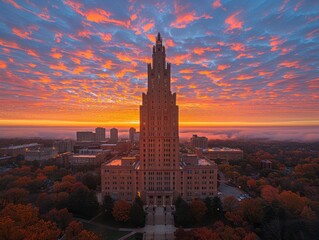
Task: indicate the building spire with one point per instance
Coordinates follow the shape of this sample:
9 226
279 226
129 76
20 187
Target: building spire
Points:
158 39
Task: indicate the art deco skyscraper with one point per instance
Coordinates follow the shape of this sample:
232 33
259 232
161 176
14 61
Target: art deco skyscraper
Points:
159 141
159 176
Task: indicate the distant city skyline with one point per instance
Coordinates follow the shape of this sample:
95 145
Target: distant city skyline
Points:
235 63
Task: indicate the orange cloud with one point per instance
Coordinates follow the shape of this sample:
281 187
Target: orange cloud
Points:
58 37
85 33
184 17
222 67
186 71
123 72
244 77
290 64
108 64
75 60
3 65
123 57
169 43
237 47
98 15
275 43
21 33
147 27
32 65
106 36
60 66
233 22
79 70
88 54
216 4
133 17
179 59
55 54
32 53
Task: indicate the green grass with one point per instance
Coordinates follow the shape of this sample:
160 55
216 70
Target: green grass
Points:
107 234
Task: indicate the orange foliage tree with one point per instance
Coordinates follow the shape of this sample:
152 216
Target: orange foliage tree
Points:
19 221
269 193
121 211
198 209
252 210
292 202
75 231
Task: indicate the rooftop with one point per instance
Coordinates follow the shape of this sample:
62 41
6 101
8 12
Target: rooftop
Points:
22 146
224 149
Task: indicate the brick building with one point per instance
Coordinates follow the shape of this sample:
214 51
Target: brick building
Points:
159 175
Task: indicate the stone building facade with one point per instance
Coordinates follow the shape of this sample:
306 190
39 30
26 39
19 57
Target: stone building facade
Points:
159 175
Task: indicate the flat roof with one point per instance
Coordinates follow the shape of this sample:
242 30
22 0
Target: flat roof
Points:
115 162
203 162
224 149
85 156
22 146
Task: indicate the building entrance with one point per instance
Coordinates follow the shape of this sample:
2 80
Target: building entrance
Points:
159 200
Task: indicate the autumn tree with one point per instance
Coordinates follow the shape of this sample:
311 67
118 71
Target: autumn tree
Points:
19 221
83 202
292 202
198 209
46 202
16 195
75 231
43 230
269 193
121 211
230 204
203 233
61 217
252 210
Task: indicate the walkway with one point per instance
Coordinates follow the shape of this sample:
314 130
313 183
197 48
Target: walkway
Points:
159 224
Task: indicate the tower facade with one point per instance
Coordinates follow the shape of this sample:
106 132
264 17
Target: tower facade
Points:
159 175
159 141
114 135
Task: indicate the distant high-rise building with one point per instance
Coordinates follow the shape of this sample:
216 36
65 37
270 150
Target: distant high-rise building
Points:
199 142
132 132
85 136
99 134
114 135
63 145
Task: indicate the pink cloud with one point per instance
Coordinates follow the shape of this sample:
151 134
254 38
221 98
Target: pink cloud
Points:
233 22
185 17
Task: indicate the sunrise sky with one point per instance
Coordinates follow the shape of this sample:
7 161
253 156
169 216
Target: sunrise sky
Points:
234 63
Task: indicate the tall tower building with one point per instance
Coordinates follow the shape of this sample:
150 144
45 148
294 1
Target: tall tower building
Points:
114 135
132 132
99 134
159 175
159 141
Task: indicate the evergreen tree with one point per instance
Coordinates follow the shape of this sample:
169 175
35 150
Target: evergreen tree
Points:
137 215
183 215
108 204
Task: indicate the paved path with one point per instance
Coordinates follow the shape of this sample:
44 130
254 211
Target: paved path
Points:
159 224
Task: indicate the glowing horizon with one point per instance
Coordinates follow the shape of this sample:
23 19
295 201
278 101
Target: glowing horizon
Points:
57 123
